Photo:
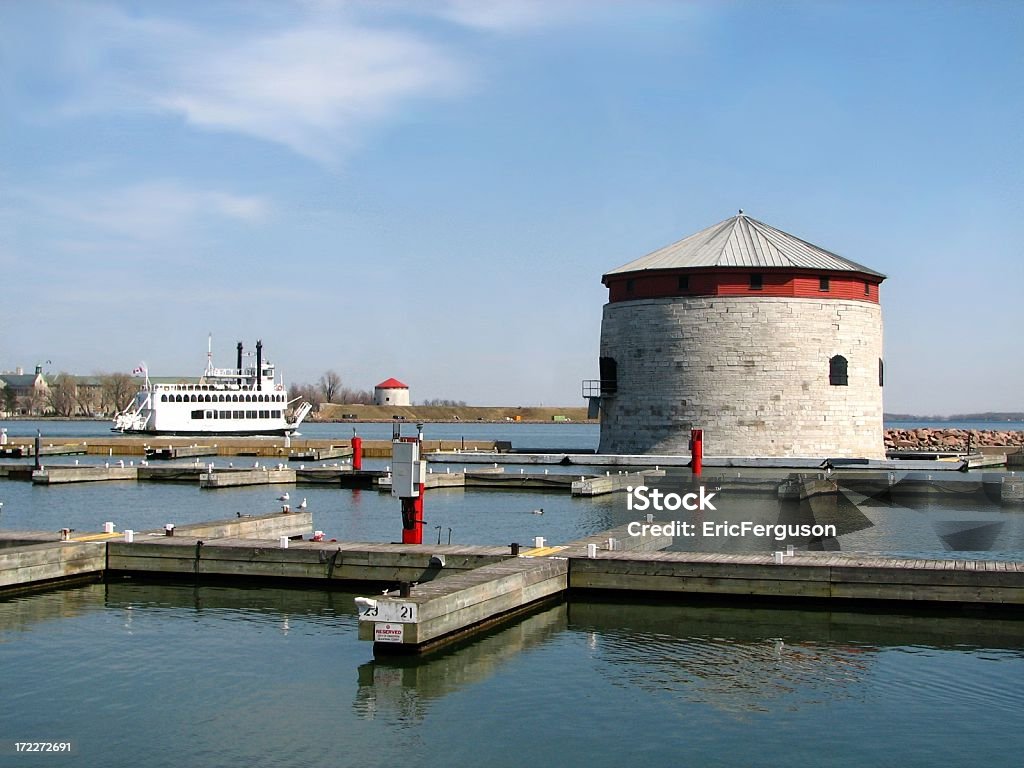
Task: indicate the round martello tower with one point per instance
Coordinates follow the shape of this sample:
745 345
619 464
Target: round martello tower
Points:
770 344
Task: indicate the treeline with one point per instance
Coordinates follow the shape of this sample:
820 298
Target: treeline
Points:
986 416
68 395
330 389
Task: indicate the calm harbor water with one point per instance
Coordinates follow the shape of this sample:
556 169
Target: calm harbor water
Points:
524 436
169 675
210 676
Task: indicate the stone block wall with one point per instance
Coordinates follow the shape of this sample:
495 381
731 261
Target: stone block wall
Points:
753 372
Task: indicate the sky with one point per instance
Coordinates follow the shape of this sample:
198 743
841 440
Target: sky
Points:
432 189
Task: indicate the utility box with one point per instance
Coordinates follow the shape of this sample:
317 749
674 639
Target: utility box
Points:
407 470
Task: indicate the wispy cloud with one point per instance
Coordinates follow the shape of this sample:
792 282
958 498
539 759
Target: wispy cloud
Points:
314 81
153 211
510 15
314 76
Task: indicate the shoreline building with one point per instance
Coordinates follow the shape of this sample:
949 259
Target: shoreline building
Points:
24 394
771 345
391 392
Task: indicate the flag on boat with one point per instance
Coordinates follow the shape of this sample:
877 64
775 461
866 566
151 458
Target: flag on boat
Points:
141 369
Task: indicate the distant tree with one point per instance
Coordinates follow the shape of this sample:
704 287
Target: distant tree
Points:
10 401
330 386
87 398
307 392
437 401
116 392
62 395
356 396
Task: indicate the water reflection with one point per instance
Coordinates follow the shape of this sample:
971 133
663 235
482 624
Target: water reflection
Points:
902 514
756 660
406 685
178 675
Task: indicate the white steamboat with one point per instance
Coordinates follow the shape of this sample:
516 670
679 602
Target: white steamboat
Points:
224 401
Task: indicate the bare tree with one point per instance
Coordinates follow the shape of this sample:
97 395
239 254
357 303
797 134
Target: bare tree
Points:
87 398
117 391
61 396
10 401
330 386
356 396
307 392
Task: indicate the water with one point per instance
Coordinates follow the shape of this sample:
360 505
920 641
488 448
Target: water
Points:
524 436
159 676
179 675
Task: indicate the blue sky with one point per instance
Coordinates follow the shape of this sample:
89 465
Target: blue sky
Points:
432 190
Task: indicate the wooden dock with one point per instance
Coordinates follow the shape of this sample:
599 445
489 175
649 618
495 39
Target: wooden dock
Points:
609 483
821 576
172 452
321 454
84 473
444 610
28 451
36 561
235 478
261 447
489 477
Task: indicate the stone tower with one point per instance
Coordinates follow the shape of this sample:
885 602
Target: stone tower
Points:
770 344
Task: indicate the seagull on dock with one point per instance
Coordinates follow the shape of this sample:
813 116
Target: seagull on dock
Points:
539 511
302 504
284 497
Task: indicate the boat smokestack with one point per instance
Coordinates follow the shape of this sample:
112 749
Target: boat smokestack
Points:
259 365
239 363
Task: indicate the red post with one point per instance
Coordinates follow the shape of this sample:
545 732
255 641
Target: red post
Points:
357 452
412 518
696 451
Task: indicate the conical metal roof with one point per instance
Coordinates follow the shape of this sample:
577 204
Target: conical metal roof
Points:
741 241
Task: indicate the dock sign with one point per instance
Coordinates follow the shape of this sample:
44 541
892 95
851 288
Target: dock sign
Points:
393 612
388 633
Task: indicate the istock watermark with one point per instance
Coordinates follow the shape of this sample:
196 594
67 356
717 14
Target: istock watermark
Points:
712 530
640 498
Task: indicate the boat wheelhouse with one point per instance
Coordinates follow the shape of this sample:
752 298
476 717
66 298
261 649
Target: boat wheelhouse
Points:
223 401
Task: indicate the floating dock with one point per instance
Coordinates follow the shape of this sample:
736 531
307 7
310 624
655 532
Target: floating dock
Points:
172 452
929 463
320 454
450 592
84 473
28 451
235 478
41 560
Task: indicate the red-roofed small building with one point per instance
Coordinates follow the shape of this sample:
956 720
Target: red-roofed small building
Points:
391 392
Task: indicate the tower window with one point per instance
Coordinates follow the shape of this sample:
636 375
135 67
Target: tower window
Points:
756 282
837 371
881 373
630 285
867 288
683 283
822 283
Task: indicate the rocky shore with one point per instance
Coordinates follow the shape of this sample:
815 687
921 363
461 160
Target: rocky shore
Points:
928 439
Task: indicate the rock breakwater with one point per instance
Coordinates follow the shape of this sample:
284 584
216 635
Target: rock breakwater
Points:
938 439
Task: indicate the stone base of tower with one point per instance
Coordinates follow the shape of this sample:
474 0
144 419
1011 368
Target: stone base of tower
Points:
752 372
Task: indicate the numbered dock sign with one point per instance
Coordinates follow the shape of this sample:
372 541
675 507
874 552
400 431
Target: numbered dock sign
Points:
388 633
393 612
